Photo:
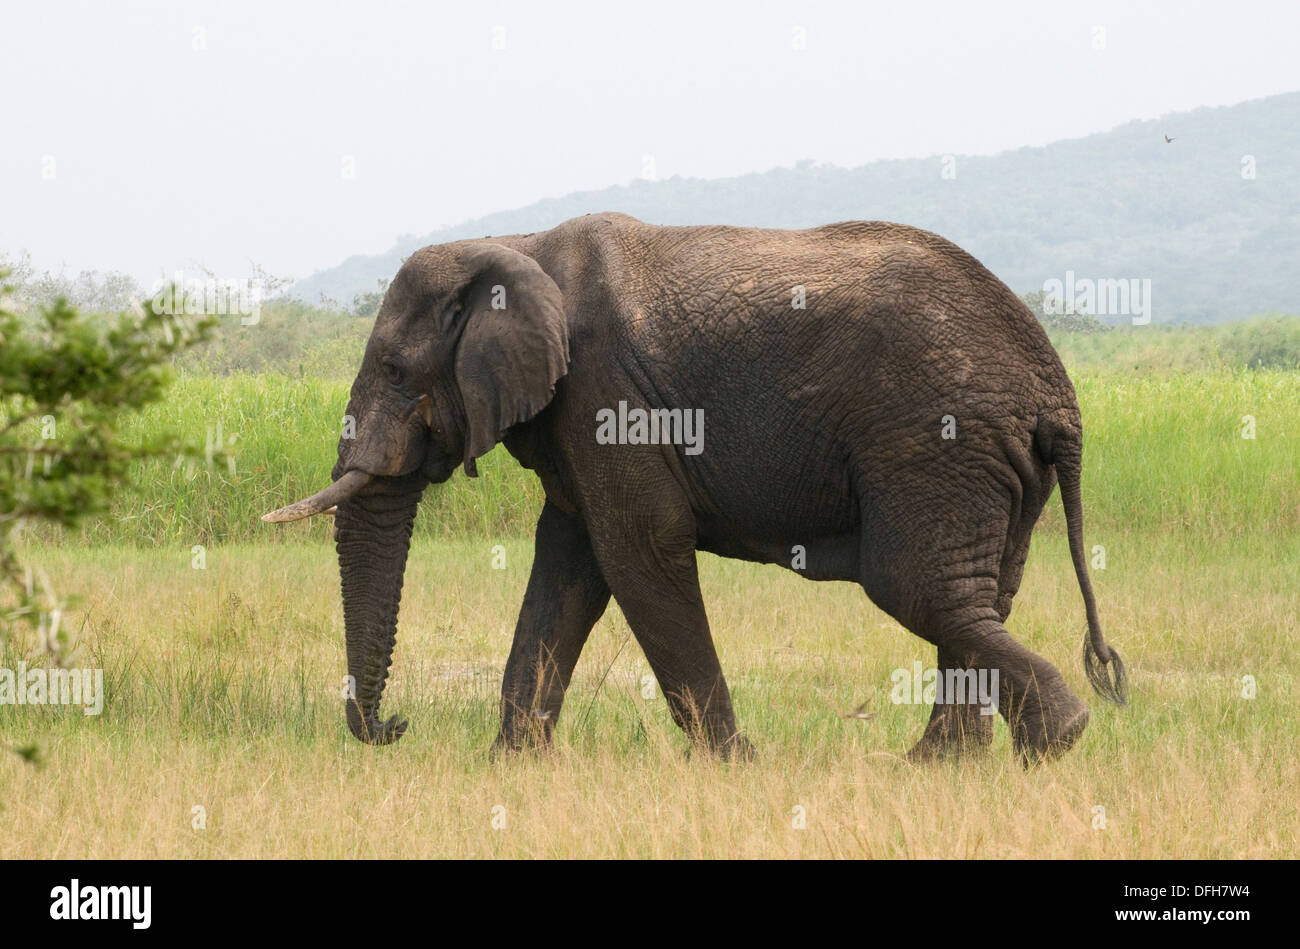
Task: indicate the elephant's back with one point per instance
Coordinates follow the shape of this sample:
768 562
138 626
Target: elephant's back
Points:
832 321
788 303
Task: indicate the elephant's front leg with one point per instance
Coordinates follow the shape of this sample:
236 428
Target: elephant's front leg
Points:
646 545
566 595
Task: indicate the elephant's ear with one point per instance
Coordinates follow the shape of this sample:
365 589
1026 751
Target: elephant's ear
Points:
514 346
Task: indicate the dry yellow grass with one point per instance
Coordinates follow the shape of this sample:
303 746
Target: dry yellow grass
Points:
221 696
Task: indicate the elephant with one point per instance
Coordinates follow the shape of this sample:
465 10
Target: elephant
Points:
868 404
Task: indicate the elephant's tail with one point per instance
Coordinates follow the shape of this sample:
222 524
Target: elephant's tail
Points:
1061 445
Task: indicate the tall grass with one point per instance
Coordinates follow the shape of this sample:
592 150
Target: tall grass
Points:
1269 342
284 431
1167 452
1162 451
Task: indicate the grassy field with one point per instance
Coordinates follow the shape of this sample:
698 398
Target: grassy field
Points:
221 687
222 681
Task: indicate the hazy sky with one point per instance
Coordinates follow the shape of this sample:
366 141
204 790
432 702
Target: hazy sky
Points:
145 136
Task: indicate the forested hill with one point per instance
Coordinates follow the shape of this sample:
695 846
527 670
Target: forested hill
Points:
1215 242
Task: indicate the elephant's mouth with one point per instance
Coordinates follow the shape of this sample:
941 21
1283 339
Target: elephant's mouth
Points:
322 502
354 479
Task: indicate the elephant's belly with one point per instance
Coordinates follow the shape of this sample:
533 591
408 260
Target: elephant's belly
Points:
775 494
761 492
816 556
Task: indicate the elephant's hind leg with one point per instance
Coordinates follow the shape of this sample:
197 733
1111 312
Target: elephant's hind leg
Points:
1018 535
955 728
1044 716
935 563
958 728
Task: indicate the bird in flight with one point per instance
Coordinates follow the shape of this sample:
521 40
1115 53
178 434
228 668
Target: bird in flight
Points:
1168 139
861 711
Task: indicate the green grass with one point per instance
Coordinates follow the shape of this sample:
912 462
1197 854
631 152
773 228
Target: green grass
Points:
1269 342
1166 452
284 432
1161 451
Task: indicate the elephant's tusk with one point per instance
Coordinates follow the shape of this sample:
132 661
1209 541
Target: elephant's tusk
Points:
323 502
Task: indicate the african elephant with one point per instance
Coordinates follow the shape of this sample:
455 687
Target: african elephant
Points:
879 409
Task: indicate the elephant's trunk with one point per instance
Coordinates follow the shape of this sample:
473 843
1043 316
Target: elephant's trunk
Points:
373 535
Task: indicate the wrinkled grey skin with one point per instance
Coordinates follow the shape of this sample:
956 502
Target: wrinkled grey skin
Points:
823 430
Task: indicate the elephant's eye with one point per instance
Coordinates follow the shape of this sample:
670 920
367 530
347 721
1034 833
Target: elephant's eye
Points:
392 372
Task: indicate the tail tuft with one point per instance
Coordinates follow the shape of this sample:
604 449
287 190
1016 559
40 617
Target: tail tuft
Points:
1110 685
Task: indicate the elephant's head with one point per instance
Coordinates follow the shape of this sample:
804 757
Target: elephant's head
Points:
470 340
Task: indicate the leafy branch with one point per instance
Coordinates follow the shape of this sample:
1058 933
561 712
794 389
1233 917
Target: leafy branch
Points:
67 384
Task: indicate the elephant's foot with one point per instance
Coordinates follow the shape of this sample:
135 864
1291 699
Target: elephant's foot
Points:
738 748
954 731
530 730
504 746
714 732
735 748
1045 723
